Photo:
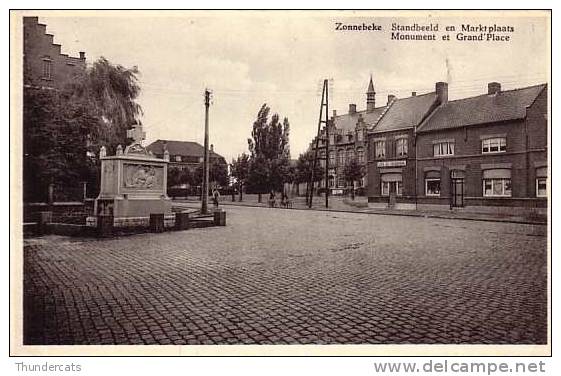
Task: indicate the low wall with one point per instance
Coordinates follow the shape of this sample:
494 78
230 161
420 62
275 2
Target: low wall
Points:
62 212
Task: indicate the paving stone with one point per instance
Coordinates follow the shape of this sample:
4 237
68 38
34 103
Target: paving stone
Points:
291 276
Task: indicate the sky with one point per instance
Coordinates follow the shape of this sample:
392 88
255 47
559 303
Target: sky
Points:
281 58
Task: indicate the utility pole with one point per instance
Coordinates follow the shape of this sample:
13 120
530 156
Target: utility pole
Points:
204 204
324 103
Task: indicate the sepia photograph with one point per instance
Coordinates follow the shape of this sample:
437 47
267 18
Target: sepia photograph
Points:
260 182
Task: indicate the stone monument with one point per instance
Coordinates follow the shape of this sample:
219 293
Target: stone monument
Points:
133 183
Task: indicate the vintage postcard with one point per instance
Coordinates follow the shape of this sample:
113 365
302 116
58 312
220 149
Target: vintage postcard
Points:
280 182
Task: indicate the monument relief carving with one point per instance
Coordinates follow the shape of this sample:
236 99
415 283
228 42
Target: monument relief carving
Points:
142 176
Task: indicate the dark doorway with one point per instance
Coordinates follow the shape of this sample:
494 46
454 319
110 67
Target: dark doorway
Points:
457 189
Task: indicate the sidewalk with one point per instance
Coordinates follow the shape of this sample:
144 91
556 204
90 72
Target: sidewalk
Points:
360 205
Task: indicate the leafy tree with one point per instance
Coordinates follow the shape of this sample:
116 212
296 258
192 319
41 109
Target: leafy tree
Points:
304 167
55 132
179 176
111 91
269 152
240 171
353 171
64 129
217 173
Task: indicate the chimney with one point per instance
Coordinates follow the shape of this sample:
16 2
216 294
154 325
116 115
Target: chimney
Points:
82 55
334 113
442 92
391 97
493 88
212 148
413 93
352 108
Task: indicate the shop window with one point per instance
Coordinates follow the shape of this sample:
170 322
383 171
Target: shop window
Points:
432 183
391 183
493 145
401 146
443 148
497 183
380 148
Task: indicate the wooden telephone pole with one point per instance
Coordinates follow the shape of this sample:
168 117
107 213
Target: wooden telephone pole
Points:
322 115
204 204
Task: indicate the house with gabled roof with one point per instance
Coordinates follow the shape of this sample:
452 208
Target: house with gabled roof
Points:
486 153
391 143
184 154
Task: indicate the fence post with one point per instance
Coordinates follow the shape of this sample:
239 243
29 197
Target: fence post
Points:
181 220
43 220
104 225
51 193
157 222
219 218
85 190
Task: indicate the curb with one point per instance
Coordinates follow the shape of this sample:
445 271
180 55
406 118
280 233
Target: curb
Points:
413 214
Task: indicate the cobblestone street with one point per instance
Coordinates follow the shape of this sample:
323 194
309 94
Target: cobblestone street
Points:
276 276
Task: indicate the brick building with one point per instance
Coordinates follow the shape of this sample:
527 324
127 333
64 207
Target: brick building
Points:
391 157
44 66
347 141
483 153
486 153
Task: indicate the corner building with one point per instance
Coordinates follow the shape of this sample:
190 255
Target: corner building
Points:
392 154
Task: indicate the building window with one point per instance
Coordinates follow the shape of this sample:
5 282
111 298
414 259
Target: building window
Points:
392 183
341 182
432 183
360 155
350 137
392 186
541 182
341 156
47 69
432 187
359 135
178 158
541 187
380 149
401 146
443 148
332 158
322 158
496 183
350 155
493 145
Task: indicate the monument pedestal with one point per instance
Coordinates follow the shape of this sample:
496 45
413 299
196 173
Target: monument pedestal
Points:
133 186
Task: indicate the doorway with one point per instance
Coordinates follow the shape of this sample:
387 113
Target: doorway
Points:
457 189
